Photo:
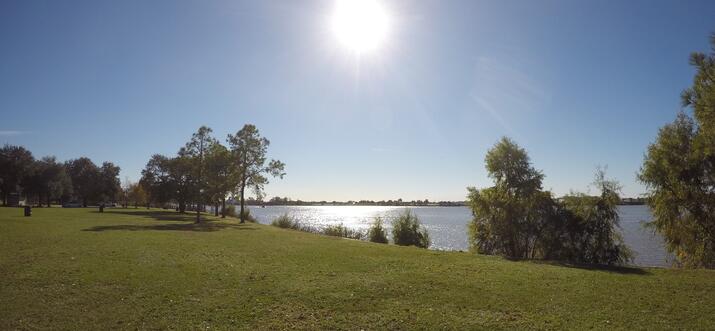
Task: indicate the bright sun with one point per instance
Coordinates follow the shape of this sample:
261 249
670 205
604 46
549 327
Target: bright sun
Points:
360 25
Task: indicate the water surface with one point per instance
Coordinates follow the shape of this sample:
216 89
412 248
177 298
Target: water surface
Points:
447 226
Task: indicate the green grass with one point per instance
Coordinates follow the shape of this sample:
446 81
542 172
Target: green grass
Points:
132 269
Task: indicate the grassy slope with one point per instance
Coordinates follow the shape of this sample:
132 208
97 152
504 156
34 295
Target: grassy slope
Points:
78 269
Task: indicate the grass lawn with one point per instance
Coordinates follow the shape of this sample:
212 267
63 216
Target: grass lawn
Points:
137 269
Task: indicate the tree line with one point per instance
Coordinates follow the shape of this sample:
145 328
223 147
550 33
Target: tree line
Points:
205 172
286 201
46 180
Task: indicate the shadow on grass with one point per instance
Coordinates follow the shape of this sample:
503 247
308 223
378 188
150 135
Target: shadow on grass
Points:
187 220
596 267
159 215
200 227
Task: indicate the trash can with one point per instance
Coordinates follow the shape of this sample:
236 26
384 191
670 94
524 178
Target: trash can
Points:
101 208
28 211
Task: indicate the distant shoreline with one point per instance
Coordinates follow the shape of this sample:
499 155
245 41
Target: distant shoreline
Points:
445 204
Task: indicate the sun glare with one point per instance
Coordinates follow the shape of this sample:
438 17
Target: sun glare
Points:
360 25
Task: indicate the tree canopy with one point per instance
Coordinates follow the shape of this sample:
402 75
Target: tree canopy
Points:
249 150
45 180
15 164
517 219
679 172
206 172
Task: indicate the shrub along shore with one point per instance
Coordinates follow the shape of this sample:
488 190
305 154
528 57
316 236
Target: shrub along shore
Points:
407 230
149 269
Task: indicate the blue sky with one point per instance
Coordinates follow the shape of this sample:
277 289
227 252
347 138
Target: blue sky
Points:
577 83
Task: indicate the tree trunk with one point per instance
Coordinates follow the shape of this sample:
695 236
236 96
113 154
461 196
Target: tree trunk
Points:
182 207
84 202
216 210
223 208
48 201
240 215
198 212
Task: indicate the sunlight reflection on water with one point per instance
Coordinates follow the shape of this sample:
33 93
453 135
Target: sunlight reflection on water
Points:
447 226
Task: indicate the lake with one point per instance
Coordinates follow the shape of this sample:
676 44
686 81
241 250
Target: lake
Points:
447 226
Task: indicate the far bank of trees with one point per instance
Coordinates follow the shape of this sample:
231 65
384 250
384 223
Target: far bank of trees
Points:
46 180
516 218
205 172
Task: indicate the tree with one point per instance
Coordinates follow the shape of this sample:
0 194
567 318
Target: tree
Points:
16 163
91 183
56 183
108 186
156 180
377 233
515 218
46 178
31 183
679 172
124 194
249 150
180 179
407 230
589 226
195 150
169 179
136 194
85 176
220 175
508 216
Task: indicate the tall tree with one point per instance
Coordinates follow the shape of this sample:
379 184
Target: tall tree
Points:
124 194
47 178
156 180
249 150
31 184
85 177
506 219
136 194
220 176
590 224
169 179
181 180
679 172
15 164
56 182
108 186
195 150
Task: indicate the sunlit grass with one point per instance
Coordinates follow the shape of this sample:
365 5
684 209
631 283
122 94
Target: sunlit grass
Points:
137 269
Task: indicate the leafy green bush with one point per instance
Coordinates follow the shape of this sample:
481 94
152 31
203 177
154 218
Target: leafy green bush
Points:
516 218
231 211
247 216
342 231
591 226
377 232
408 231
286 222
